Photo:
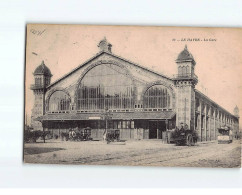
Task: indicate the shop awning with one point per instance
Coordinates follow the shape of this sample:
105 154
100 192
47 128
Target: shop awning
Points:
114 116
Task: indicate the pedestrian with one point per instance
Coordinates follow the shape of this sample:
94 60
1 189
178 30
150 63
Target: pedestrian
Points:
70 133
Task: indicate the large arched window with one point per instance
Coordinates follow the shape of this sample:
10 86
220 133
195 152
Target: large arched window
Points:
105 86
59 101
157 96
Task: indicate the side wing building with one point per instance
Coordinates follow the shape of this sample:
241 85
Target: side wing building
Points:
139 102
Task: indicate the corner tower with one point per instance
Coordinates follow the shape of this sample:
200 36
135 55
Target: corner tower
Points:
42 76
185 82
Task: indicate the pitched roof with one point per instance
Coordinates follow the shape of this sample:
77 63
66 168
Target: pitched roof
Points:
111 54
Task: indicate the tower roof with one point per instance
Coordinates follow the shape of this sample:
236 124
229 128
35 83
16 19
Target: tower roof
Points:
185 55
236 111
42 69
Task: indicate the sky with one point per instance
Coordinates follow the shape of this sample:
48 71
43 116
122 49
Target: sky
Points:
217 52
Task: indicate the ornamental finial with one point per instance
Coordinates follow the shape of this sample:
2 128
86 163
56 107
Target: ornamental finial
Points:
104 45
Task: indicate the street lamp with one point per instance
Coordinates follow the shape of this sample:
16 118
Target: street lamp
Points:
106 115
166 123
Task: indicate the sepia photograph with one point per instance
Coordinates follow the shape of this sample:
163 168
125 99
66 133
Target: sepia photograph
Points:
133 96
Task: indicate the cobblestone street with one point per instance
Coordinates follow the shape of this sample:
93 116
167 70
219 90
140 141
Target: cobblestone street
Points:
134 153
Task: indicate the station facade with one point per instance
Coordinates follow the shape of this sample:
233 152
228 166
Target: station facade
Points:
139 102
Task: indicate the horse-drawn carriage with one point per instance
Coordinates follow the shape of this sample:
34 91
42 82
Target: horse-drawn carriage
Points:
225 135
112 135
184 136
77 135
33 136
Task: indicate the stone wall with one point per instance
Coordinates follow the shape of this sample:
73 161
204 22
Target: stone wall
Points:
38 109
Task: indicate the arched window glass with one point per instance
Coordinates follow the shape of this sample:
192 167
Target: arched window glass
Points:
188 70
37 81
59 101
105 86
157 96
180 70
184 70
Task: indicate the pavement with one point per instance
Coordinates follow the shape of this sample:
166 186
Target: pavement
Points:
134 153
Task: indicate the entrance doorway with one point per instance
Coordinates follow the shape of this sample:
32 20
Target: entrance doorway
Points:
152 129
156 128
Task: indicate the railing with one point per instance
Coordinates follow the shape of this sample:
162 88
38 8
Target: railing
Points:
101 111
37 86
58 112
182 76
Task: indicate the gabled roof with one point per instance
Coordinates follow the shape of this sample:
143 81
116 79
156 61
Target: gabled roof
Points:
111 54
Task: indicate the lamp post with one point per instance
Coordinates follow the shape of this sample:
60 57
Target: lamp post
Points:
167 140
106 115
166 123
43 132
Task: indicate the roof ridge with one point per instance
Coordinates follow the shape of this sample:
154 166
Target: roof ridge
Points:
75 69
160 74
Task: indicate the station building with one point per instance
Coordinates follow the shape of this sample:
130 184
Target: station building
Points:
139 102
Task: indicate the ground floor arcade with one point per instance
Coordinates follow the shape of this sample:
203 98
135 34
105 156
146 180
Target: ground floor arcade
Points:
130 127
209 116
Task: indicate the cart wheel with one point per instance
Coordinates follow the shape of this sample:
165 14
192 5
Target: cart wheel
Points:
33 140
190 141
